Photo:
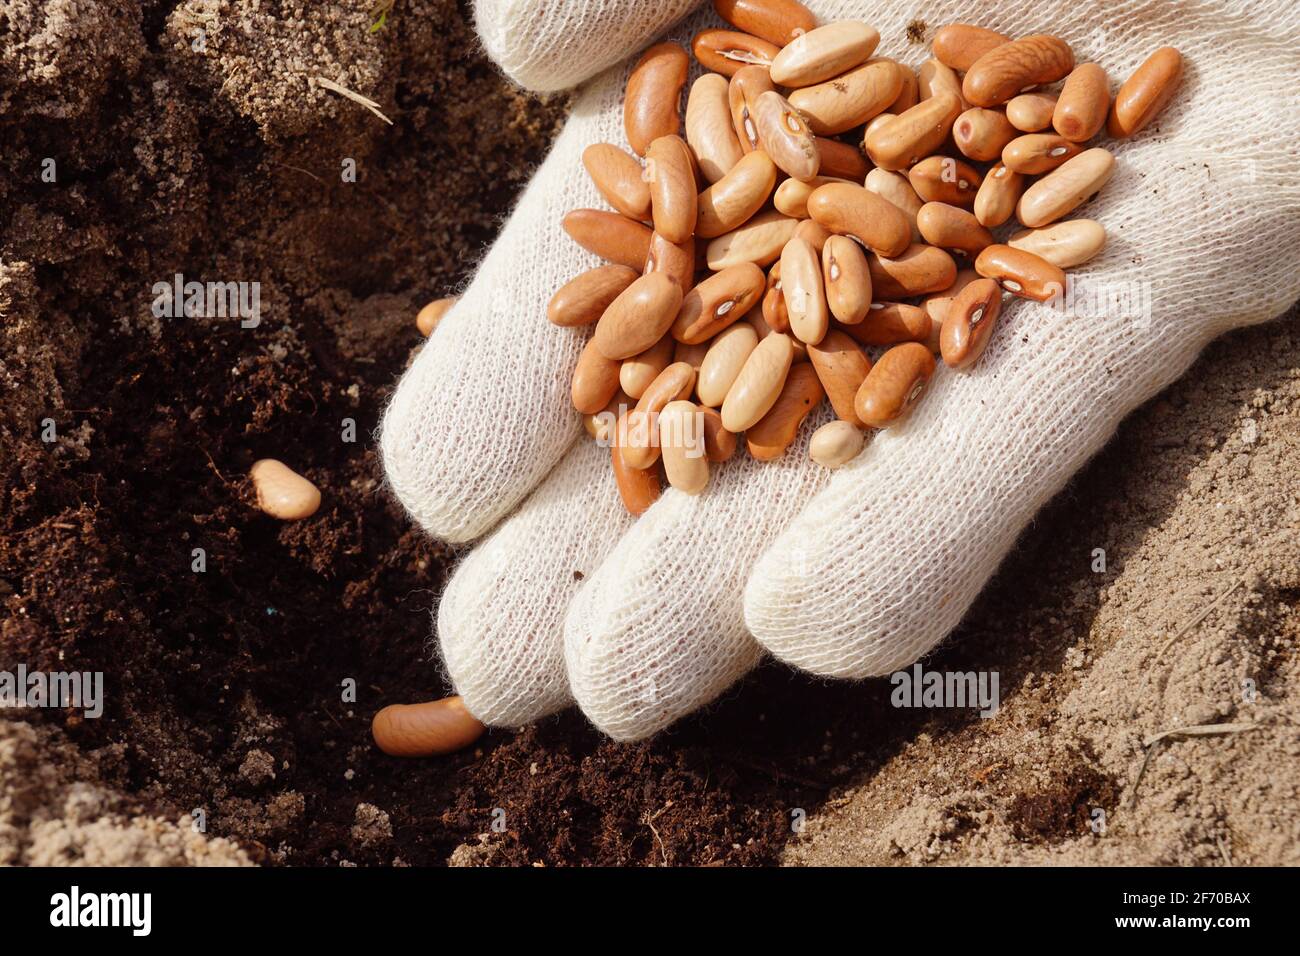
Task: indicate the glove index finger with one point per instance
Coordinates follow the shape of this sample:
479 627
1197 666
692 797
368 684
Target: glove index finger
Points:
484 413
549 45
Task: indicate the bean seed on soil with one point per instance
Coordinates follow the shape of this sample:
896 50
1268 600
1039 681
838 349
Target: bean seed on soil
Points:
282 492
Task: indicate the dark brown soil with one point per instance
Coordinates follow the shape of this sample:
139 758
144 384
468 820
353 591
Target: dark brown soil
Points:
225 687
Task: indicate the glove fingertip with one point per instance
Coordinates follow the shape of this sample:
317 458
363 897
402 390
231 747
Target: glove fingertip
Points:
553 46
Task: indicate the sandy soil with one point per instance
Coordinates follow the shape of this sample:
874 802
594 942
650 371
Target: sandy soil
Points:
220 158
1196 501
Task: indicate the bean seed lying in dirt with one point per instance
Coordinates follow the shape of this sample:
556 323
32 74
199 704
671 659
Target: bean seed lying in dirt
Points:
282 492
827 202
423 730
427 319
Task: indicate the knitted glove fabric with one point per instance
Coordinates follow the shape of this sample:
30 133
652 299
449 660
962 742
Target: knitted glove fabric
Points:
861 571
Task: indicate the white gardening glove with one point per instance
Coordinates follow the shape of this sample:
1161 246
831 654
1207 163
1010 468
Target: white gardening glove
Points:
861 571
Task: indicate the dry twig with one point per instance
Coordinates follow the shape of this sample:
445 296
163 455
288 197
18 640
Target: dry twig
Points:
354 97
1196 730
1200 617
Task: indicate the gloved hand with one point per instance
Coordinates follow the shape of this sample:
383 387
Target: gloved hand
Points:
850 573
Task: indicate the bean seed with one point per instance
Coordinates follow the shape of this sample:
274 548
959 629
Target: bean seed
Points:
910 95
638 317
801 285
427 319
759 383
692 354
1031 112
674 259
583 299
914 134
836 444
841 366
618 177
282 492
652 101
889 323
775 315
812 233
920 269
708 127
726 51
936 303
595 380
785 136
841 160
733 199
1065 188
969 323
848 209
760 240
681 439
613 237
791 197
723 362
1063 244
960 45
1036 153
425 730
847 279
601 425
639 444
944 179
1085 99
638 487
777 21
850 99
769 437
894 384
637 372
997 196
935 77
825 52
1011 68
1146 92
949 227
718 301
895 188
673 193
1021 273
719 444
982 134
746 86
